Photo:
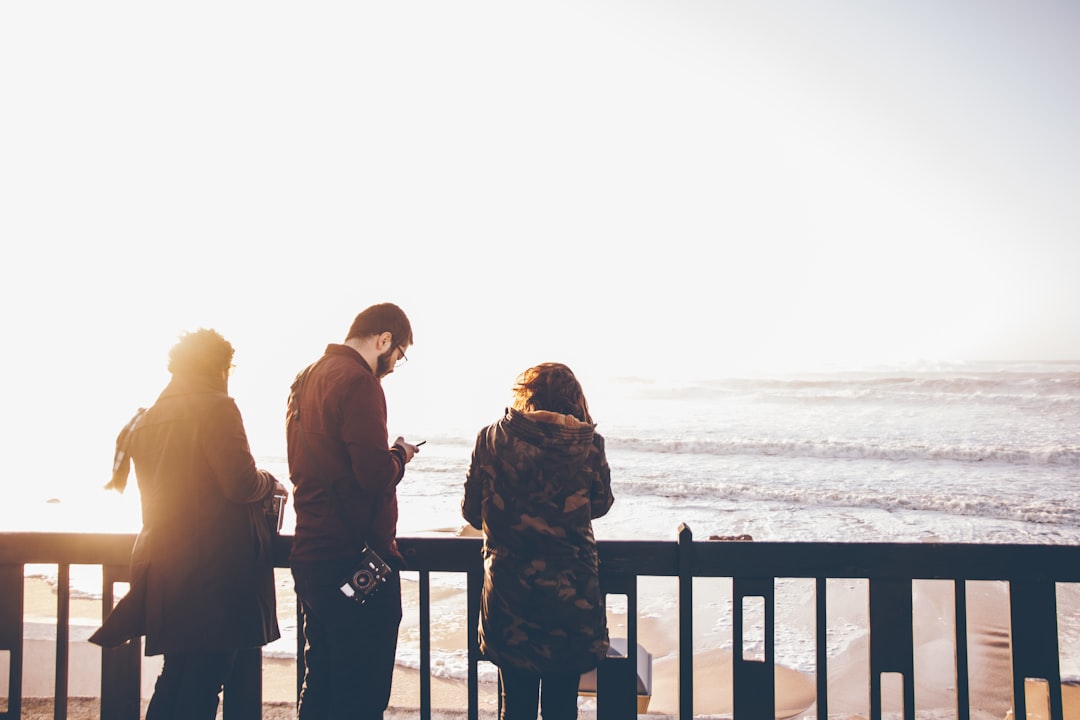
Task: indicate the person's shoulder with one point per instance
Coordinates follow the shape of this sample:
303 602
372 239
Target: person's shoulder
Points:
221 399
341 367
354 384
220 404
487 436
505 422
343 359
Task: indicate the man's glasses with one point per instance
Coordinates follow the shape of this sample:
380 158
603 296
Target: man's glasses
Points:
402 360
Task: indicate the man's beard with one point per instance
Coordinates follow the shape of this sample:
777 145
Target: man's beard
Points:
383 365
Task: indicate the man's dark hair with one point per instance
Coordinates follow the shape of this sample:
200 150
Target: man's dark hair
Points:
384 317
203 352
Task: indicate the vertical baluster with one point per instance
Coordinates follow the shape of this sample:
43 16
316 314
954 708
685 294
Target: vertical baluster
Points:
1033 609
425 645
963 698
121 667
820 639
686 623
475 586
63 611
11 633
753 682
616 676
891 641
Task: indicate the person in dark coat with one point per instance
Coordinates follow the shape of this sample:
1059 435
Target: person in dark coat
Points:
202 573
345 475
536 480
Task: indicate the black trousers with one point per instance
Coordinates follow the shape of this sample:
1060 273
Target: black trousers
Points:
523 693
349 649
189 686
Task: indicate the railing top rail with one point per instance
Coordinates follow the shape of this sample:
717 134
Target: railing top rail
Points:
73 548
970 561
927 561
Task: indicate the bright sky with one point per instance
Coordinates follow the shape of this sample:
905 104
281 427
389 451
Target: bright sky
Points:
666 188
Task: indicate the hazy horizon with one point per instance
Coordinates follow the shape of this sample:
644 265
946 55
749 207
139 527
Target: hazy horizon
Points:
675 190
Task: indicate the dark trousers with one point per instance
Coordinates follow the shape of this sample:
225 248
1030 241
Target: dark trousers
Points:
189 686
349 649
524 692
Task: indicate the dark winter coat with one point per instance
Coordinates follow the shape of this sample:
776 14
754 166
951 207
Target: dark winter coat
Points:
535 482
202 566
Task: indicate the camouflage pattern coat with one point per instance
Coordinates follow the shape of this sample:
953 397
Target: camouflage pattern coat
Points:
536 481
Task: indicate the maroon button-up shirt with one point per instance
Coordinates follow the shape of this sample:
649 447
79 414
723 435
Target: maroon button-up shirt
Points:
336 431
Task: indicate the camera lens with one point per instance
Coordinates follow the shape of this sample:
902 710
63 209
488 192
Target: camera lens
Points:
362 579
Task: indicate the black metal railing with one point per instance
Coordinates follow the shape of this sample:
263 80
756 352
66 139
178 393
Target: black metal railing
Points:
1032 574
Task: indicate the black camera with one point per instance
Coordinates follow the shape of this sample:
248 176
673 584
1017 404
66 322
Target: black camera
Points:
368 577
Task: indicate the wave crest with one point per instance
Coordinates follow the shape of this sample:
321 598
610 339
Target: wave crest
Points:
839 449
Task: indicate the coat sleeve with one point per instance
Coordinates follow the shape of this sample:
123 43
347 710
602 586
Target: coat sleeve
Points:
601 498
472 502
229 457
376 467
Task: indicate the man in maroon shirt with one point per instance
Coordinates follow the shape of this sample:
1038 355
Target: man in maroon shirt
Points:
345 475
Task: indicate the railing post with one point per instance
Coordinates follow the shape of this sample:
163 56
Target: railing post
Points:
686 622
425 645
1034 634
63 635
963 687
616 689
121 667
891 641
472 623
753 681
11 633
616 676
821 595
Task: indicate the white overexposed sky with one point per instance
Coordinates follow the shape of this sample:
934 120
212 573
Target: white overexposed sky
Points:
666 188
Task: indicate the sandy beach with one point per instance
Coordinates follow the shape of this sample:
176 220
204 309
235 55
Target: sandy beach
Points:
848 671
448 695
279 674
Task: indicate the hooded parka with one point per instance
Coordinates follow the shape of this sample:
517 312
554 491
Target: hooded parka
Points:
202 566
536 481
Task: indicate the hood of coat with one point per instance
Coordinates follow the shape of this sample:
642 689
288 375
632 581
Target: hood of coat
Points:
559 439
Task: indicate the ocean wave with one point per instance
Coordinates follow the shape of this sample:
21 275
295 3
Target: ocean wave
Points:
853 450
1021 388
1033 510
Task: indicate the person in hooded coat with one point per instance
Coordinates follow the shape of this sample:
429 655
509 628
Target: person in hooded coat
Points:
202 569
536 480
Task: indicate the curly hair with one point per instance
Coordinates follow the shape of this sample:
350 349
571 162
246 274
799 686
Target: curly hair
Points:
553 387
203 352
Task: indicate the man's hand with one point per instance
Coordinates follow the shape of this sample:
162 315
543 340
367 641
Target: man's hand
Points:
408 448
